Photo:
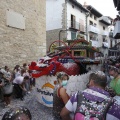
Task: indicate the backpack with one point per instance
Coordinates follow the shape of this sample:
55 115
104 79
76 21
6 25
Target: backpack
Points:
90 110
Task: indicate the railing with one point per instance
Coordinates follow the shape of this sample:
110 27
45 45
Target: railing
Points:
105 19
105 33
76 25
95 43
93 29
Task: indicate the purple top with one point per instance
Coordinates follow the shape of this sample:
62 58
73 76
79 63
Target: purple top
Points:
114 110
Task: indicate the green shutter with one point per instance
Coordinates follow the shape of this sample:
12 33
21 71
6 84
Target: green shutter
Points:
73 35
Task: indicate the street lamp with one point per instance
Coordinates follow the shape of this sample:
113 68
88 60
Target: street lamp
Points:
62 31
67 30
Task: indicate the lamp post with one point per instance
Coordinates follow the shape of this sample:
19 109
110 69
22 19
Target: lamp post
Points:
65 30
62 31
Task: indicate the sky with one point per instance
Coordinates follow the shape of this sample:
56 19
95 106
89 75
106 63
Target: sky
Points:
105 7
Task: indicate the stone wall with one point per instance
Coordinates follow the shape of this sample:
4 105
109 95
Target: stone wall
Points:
19 46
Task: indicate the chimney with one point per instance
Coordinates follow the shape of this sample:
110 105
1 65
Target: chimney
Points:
85 4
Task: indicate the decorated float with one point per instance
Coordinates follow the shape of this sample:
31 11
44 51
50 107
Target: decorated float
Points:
75 57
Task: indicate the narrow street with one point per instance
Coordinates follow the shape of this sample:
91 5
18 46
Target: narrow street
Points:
38 111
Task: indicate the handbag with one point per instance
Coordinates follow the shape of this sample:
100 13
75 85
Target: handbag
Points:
8 88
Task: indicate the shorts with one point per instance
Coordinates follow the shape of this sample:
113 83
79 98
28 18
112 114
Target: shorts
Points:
7 95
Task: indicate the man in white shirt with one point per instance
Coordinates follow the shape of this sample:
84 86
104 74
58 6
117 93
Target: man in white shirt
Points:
18 80
19 86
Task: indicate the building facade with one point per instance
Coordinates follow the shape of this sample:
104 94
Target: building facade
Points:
98 29
65 20
69 20
22 31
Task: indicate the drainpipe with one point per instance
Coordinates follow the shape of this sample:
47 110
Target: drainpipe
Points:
59 35
87 14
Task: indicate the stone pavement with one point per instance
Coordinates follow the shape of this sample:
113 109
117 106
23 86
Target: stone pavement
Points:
38 111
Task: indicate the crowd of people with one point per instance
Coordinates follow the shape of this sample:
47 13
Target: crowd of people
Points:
99 101
15 84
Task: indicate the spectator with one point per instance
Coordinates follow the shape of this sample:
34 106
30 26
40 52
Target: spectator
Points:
19 86
115 83
17 113
6 67
16 71
1 85
25 66
32 80
7 87
27 82
93 99
60 97
8 73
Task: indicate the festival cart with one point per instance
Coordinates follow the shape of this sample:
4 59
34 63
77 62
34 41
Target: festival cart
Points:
75 57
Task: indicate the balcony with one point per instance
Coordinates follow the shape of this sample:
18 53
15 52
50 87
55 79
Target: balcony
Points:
93 29
105 33
76 26
95 43
105 20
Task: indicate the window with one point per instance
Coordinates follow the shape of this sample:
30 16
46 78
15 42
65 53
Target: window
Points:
111 22
104 40
103 28
91 15
93 37
80 53
95 24
72 6
95 18
90 37
73 35
90 22
73 21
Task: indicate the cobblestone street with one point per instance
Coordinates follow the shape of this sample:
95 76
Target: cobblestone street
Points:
38 111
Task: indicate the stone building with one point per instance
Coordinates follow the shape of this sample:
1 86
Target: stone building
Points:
22 31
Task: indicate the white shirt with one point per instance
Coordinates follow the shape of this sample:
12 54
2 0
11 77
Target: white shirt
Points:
18 80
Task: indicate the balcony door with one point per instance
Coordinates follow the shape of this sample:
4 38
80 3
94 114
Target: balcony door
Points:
73 21
73 35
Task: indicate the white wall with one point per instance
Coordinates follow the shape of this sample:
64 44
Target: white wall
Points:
77 13
100 34
97 27
54 14
101 29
